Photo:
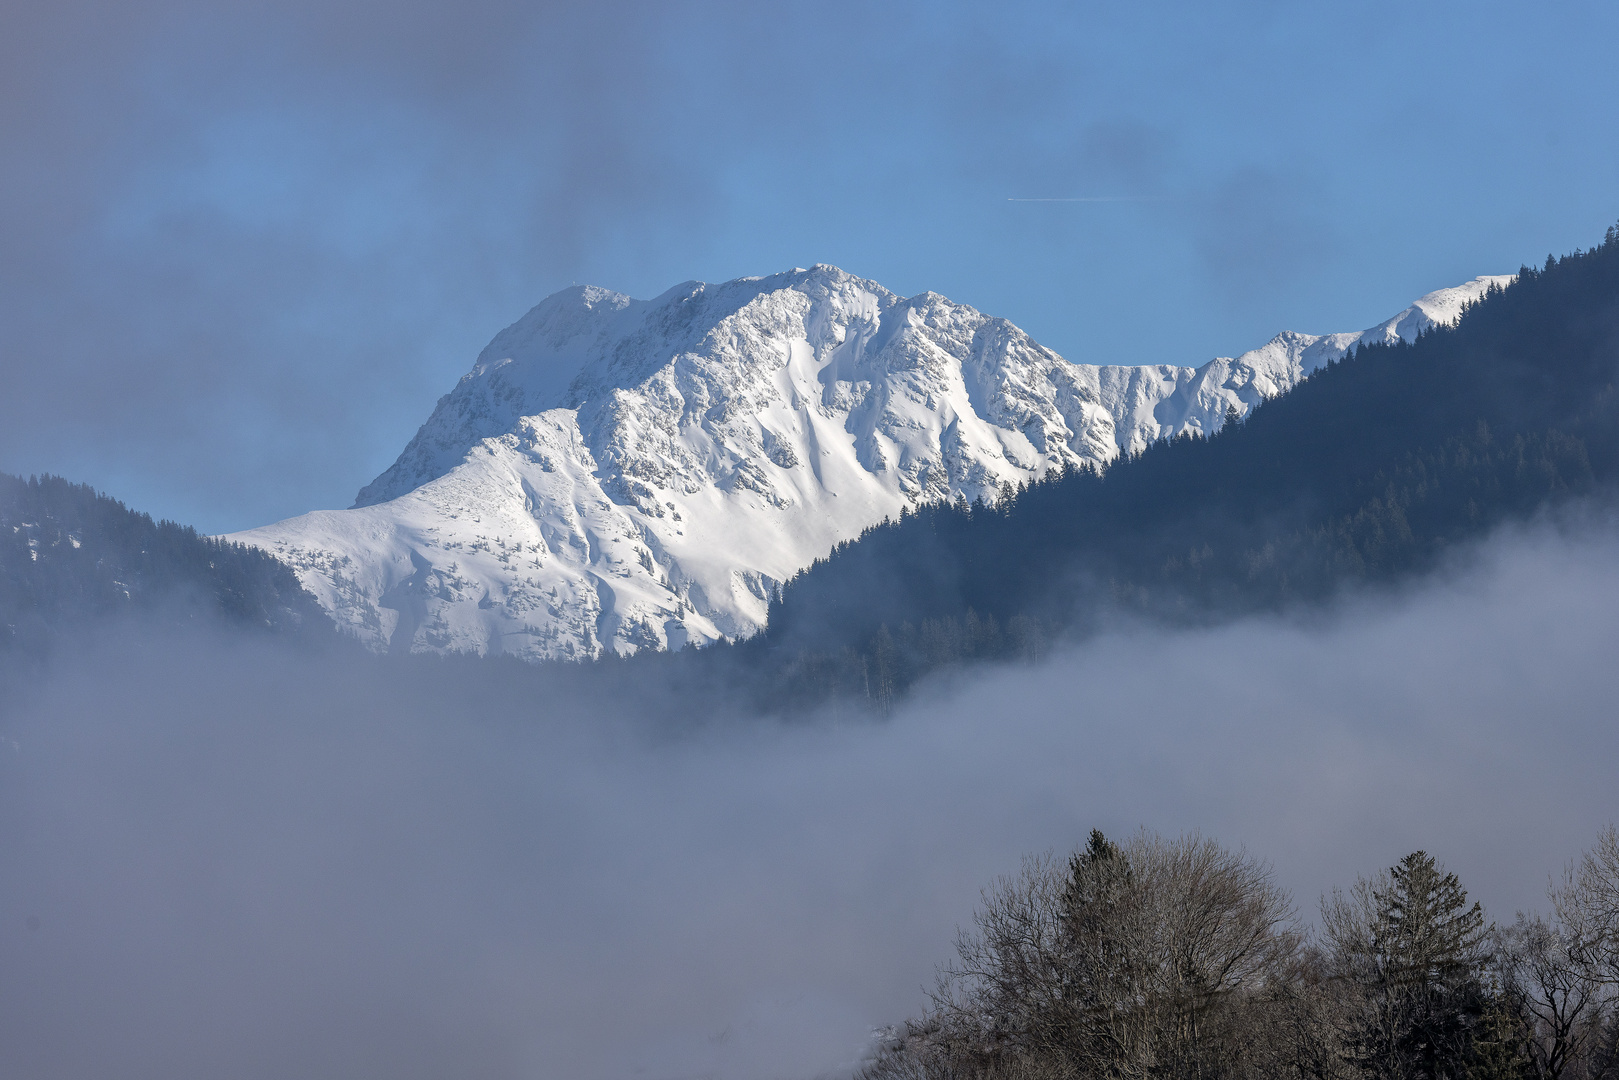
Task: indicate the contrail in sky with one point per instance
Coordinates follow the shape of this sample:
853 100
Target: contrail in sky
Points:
1098 198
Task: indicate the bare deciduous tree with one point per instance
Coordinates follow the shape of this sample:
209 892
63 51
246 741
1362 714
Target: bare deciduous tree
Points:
1124 962
1553 991
1588 903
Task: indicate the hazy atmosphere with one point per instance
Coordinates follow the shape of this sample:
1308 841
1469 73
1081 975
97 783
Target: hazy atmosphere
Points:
247 246
668 705
224 861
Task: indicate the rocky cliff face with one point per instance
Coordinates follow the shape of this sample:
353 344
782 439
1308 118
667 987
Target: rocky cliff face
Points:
628 474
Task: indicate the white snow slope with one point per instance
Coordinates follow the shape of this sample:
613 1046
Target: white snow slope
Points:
630 474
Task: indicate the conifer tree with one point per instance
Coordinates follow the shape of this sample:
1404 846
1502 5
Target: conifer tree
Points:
1414 951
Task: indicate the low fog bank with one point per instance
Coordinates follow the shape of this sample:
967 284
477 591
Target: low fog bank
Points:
222 860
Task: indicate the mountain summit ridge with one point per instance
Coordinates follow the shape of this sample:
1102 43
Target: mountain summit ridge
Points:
630 474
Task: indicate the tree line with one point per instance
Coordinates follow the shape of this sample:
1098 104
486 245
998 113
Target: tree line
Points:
1370 471
1179 958
69 555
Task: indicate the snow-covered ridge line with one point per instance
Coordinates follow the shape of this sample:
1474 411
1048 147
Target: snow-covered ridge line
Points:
628 474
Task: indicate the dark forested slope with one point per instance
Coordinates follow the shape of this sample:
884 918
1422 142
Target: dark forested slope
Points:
69 555
1369 470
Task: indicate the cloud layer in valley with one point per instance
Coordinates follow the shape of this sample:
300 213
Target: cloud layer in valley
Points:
220 860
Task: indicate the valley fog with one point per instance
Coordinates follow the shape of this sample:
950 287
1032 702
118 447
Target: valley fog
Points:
222 859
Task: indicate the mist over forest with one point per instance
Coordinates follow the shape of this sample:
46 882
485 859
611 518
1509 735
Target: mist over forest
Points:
1141 738
228 855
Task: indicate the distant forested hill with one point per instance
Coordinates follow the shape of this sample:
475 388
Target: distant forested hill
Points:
1369 470
69 555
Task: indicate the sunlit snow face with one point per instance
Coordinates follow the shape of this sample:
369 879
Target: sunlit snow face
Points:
251 245
618 474
221 860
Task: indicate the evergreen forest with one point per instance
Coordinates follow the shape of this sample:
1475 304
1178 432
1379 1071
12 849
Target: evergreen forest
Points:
1369 472
70 556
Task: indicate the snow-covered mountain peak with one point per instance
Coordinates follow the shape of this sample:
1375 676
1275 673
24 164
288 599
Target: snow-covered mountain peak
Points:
627 474
577 346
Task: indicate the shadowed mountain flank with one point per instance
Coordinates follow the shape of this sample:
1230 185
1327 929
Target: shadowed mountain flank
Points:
644 474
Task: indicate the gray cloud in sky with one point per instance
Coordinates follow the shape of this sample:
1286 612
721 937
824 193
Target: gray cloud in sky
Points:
221 860
244 243
1262 227
247 246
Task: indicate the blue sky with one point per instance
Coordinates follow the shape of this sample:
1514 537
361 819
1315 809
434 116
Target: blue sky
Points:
246 250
